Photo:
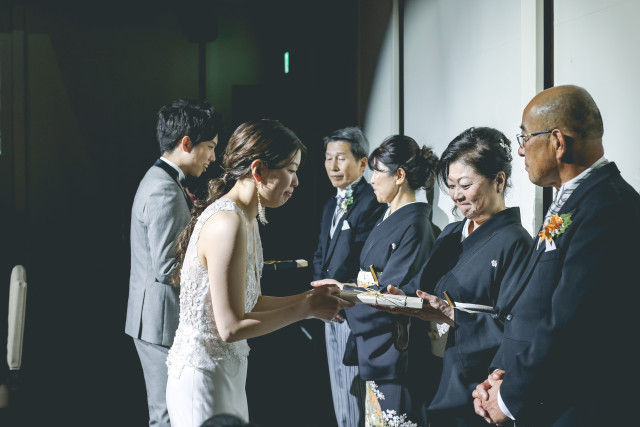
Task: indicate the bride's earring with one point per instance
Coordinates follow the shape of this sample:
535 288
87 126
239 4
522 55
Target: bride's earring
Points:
262 217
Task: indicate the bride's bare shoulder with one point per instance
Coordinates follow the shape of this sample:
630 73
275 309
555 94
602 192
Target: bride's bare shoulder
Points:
227 225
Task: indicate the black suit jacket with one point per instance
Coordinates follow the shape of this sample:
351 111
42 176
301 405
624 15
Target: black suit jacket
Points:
337 257
473 271
398 247
569 322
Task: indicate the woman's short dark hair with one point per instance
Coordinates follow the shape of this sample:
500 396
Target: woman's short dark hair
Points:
484 149
354 137
401 151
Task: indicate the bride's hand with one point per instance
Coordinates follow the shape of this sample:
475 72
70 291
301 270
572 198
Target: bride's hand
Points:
395 291
324 282
323 302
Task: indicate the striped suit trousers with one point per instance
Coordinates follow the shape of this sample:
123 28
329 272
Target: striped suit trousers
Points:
347 389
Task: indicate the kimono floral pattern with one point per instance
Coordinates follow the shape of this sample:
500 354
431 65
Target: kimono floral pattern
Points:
376 417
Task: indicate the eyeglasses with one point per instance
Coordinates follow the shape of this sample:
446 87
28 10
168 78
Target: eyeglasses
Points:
522 138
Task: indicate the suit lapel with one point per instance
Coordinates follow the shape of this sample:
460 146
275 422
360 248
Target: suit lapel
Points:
596 177
174 175
326 219
511 294
332 241
570 206
168 169
336 234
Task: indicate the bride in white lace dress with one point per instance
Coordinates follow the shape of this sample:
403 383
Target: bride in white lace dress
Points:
221 263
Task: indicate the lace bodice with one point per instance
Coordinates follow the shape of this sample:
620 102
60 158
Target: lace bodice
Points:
197 342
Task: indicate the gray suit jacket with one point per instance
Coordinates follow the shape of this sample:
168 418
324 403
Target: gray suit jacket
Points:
160 212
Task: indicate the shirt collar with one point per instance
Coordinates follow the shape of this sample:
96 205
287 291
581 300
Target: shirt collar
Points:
181 175
465 229
598 163
342 193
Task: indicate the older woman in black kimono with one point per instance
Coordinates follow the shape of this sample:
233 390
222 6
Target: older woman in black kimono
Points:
396 250
471 261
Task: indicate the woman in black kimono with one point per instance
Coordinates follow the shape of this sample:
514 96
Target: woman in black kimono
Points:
396 249
471 260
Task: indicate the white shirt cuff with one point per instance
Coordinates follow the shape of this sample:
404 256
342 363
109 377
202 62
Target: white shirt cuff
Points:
503 407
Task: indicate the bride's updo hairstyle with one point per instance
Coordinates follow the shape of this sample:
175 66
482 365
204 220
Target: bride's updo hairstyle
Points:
266 140
401 151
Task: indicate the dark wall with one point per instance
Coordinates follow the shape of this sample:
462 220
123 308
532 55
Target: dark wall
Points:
80 91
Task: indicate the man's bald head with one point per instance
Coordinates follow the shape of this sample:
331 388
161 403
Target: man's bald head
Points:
567 128
571 109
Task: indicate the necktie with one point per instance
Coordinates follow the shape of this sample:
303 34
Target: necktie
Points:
336 216
565 192
561 198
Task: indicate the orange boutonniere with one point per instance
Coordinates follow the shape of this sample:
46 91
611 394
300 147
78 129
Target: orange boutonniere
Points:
555 227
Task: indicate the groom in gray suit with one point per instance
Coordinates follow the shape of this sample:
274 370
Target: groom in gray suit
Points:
188 134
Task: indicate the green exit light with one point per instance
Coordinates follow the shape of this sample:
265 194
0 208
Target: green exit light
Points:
286 62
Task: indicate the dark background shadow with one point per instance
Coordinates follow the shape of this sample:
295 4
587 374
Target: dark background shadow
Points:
81 86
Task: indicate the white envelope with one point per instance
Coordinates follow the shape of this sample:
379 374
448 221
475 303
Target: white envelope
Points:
362 297
345 225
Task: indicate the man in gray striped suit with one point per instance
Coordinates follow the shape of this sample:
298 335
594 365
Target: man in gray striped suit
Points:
188 134
347 220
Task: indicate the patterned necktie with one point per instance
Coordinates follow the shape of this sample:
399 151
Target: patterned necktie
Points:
336 215
561 198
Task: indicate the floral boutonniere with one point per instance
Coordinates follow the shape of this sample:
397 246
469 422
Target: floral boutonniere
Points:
347 200
556 226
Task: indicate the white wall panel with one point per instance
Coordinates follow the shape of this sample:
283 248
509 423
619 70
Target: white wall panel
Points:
463 69
596 47
378 69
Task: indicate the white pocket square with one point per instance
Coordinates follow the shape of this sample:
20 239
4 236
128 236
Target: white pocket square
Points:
549 246
345 225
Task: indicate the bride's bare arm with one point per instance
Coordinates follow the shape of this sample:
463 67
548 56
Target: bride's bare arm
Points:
222 250
266 303
269 303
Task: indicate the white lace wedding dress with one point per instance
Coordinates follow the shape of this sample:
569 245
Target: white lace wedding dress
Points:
206 375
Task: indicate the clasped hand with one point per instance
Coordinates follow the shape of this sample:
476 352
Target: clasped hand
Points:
485 399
